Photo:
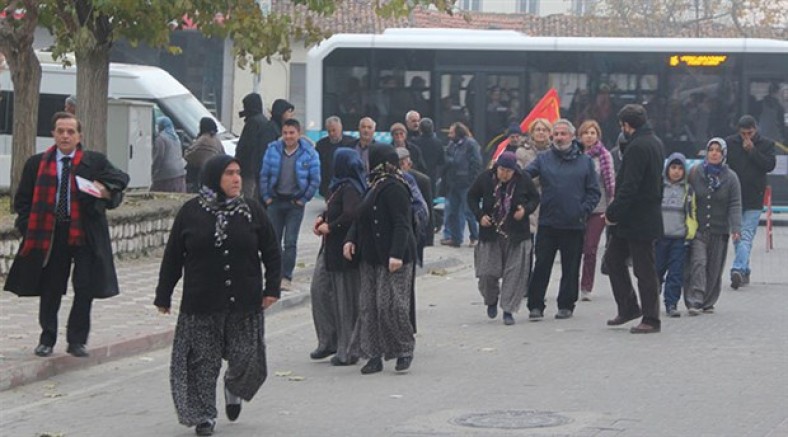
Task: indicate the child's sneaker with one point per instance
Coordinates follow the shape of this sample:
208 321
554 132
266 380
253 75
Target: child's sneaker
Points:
673 312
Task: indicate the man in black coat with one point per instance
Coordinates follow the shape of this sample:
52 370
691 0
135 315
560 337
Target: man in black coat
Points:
635 222
425 187
326 148
433 150
257 133
751 156
60 206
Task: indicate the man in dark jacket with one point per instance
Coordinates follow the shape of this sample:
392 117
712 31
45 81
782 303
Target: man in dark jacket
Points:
399 140
635 223
326 148
60 206
257 133
570 192
432 150
424 187
751 157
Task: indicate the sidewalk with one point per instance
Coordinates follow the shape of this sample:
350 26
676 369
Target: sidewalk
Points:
129 324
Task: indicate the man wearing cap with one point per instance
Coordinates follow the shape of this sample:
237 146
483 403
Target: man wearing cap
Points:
399 140
517 144
570 192
424 186
501 199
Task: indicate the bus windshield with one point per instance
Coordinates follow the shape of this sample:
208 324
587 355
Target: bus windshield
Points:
188 111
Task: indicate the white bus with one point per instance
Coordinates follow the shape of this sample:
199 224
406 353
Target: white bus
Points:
693 88
129 82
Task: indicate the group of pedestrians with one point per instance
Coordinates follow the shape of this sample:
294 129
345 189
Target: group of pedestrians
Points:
552 190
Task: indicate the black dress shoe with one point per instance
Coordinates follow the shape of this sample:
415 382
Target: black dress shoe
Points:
319 354
43 350
78 350
374 365
620 320
403 363
232 405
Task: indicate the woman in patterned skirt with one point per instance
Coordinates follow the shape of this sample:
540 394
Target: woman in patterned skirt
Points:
335 281
216 243
382 238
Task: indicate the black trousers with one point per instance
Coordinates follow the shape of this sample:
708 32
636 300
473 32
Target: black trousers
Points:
644 267
53 284
549 241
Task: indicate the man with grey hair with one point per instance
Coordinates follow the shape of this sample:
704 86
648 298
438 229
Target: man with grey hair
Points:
570 192
366 139
71 105
326 148
412 119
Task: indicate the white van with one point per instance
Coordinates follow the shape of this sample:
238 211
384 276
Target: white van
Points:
126 81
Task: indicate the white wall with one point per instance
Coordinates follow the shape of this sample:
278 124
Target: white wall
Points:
274 83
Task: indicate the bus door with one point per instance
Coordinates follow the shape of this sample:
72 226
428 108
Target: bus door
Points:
767 101
486 102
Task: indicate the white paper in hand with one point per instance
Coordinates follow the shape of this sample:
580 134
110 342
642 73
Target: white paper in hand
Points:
87 186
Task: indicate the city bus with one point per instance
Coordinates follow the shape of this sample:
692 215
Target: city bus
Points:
692 88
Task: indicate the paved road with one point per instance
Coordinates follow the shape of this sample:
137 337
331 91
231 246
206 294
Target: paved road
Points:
712 375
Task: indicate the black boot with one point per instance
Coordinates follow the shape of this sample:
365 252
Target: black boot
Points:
374 365
403 363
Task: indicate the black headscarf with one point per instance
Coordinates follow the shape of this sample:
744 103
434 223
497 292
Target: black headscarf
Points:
215 201
383 165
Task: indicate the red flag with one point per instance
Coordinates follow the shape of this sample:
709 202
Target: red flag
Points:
548 107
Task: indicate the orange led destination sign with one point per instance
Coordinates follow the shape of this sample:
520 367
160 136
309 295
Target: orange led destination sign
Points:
698 60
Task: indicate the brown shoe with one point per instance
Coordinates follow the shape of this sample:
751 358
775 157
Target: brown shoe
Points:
620 320
644 329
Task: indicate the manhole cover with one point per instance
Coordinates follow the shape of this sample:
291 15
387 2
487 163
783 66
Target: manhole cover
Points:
512 419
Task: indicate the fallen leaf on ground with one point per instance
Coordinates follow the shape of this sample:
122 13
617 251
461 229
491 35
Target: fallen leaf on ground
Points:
283 373
487 349
146 359
53 395
50 434
439 272
296 378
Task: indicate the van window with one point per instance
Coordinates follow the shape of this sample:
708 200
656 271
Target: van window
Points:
48 105
6 114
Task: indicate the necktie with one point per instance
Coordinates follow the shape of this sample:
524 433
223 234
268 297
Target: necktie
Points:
61 212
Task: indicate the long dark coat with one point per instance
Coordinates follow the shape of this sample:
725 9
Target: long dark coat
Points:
94 267
637 208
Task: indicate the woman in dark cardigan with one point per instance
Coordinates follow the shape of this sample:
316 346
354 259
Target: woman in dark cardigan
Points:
335 281
502 198
718 195
382 239
217 243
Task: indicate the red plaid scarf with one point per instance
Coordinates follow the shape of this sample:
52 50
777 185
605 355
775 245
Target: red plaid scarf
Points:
41 224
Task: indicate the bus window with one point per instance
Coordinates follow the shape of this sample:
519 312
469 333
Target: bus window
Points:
48 105
346 86
457 101
502 106
401 83
767 102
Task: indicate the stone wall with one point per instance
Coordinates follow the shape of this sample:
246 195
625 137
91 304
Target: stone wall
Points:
137 228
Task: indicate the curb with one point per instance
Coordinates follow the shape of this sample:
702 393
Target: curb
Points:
38 369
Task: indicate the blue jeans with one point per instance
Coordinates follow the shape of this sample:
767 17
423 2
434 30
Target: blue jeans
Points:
749 225
286 218
457 213
670 257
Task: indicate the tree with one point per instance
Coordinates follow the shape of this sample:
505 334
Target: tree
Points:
89 28
17 26
671 18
